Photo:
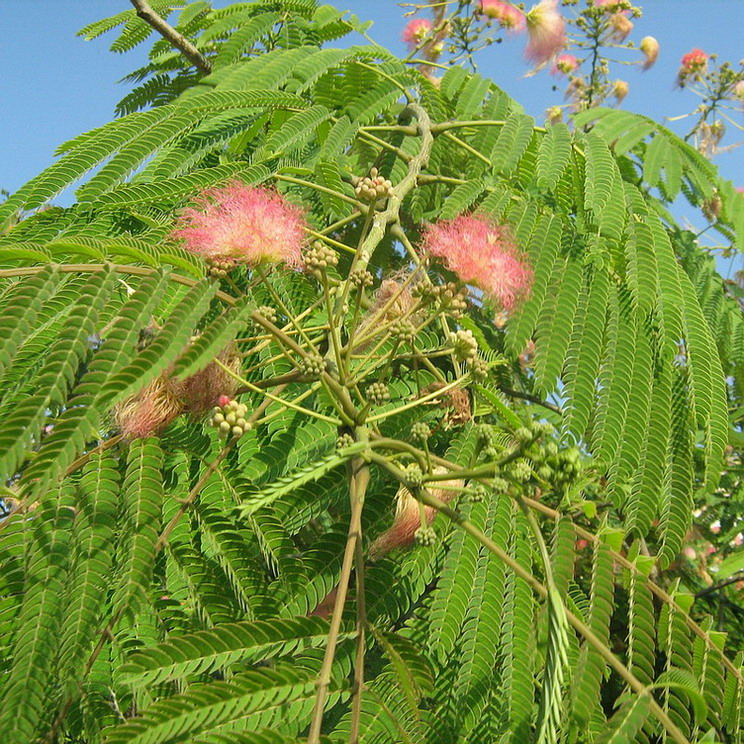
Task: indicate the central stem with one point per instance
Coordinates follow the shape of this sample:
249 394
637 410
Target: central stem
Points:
358 482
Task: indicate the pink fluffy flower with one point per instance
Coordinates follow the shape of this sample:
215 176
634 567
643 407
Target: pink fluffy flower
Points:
692 64
564 64
547 31
506 14
416 31
243 224
482 253
402 532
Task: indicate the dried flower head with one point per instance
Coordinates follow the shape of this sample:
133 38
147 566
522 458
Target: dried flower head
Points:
243 224
509 17
416 31
482 253
408 517
150 411
620 89
649 46
547 32
564 64
205 389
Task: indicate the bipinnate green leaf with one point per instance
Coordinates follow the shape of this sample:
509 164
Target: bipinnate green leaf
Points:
223 645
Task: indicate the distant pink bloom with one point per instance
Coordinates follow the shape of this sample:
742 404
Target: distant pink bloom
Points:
506 14
582 544
564 64
650 48
689 552
740 189
243 224
693 64
694 61
416 31
223 400
482 253
738 540
715 527
621 26
547 31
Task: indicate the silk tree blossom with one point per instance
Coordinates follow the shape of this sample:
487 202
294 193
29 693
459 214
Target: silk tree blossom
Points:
692 64
649 46
564 64
508 16
482 253
407 519
547 32
151 411
416 31
243 225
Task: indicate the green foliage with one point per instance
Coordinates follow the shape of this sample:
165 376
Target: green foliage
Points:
174 588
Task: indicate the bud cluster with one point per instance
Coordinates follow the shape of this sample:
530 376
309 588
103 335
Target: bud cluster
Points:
378 393
373 187
402 331
344 441
413 477
361 278
217 268
425 537
312 365
319 256
267 312
478 369
420 432
448 297
229 418
463 344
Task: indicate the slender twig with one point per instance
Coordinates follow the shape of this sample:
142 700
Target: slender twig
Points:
358 481
531 398
179 41
738 576
361 606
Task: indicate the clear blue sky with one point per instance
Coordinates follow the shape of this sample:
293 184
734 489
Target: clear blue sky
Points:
54 85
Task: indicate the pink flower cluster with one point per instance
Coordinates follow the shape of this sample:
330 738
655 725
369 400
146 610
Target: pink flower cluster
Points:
506 14
564 64
547 31
244 225
482 253
692 65
416 31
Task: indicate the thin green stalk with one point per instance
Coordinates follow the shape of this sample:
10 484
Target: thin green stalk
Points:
275 398
358 482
